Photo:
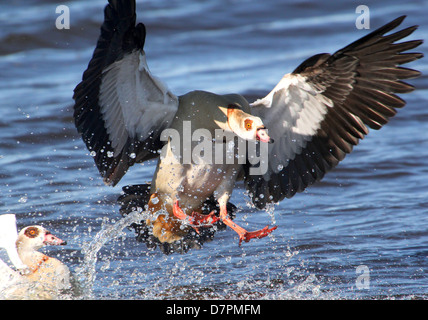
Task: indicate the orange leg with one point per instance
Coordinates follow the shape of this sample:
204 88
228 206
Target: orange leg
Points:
243 234
196 219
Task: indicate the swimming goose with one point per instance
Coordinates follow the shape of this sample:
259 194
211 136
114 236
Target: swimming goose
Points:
37 275
284 142
43 269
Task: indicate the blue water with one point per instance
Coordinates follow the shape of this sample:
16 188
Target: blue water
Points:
370 213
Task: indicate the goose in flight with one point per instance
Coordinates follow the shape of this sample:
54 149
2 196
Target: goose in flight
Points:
281 143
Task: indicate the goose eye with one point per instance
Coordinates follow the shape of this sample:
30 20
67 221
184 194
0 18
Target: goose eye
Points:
248 124
31 232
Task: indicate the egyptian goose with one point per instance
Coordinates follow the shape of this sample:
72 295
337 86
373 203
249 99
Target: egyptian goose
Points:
47 275
47 270
302 129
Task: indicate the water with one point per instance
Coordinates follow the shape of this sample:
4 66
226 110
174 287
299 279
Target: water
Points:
370 213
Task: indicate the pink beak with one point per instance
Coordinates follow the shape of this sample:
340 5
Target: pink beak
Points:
262 135
52 240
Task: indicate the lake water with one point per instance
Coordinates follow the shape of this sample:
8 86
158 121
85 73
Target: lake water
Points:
367 220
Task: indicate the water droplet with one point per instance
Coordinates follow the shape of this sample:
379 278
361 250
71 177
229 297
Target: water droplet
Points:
230 145
23 199
93 153
132 155
110 154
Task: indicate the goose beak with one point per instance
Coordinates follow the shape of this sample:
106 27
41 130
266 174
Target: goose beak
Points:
52 240
261 135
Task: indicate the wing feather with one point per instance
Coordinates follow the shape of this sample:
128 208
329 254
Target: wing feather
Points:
319 112
120 107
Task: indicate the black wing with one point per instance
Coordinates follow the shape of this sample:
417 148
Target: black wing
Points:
320 111
120 107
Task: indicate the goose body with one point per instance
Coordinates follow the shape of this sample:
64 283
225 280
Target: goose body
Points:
43 269
298 132
38 276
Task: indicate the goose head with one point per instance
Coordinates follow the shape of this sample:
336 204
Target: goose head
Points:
230 112
32 238
246 126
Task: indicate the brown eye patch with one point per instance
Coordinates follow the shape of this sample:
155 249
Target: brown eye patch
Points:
31 232
248 124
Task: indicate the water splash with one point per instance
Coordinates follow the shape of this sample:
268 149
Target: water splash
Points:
86 273
195 282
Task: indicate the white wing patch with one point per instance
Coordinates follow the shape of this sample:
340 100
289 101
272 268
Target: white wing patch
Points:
133 102
292 112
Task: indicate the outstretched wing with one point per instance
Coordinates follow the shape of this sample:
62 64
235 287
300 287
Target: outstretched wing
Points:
320 111
120 107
